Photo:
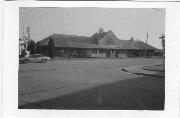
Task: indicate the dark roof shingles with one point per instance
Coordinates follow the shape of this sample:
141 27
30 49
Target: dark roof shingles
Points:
73 41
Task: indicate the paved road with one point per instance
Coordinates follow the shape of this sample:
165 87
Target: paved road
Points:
39 82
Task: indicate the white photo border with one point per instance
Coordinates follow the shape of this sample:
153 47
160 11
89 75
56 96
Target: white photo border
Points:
11 63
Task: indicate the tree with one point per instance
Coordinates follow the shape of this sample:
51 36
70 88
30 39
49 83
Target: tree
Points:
23 53
51 47
31 46
38 48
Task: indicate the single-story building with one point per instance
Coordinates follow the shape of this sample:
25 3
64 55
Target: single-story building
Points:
101 44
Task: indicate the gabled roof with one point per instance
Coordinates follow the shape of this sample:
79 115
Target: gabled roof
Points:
98 36
73 41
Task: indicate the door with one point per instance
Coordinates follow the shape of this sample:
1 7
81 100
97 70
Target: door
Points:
108 53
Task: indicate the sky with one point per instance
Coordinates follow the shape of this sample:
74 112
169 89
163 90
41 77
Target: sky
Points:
123 22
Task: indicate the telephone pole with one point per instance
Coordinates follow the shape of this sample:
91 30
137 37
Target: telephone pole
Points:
146 51
28 30
162 37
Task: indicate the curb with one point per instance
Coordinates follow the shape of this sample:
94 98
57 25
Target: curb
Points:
125 69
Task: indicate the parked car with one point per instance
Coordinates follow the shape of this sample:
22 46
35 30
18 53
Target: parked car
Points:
38 58
23 59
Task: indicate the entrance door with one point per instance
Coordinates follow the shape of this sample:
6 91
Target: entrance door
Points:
108 53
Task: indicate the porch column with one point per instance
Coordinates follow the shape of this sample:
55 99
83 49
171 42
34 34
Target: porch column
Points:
97 51
114 52
111 53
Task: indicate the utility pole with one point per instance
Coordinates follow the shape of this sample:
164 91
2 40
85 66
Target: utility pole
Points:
22 42
22 16
28 32
147 38
146 44
162 37
24 38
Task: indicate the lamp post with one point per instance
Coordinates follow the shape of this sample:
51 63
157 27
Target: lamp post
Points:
162 37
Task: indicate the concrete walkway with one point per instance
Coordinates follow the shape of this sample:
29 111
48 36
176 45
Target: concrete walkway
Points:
146 70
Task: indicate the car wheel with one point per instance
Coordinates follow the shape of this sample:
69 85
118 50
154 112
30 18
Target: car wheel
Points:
25 61
43 61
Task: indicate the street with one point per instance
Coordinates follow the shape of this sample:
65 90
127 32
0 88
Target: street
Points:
43 85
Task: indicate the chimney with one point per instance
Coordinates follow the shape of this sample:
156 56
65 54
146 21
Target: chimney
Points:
132 39
101 30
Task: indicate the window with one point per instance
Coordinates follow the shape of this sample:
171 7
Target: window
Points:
94 51
36 56
109 40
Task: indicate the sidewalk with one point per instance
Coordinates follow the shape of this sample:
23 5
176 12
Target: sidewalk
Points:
146 70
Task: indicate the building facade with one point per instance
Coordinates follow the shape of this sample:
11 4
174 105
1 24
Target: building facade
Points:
101 44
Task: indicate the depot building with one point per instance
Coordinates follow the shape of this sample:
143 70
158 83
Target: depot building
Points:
101 44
